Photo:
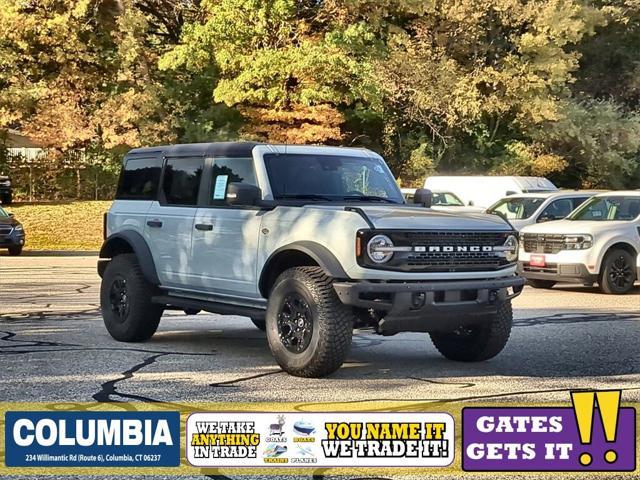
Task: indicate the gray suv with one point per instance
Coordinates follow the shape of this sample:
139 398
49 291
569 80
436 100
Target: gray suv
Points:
309 242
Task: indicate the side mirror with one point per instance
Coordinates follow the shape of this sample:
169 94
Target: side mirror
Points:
471 204
10 214
243 194
424 197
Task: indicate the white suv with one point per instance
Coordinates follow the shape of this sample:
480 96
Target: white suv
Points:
598 242
529 208
306 241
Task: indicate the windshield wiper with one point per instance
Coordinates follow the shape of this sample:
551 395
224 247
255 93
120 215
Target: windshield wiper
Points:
304 196
368 198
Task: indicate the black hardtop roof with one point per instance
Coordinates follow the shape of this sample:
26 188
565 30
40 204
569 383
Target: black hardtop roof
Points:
233 149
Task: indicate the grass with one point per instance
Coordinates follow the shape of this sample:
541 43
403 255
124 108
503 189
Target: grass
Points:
73 225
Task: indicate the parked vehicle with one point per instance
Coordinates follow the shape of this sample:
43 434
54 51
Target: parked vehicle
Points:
443 201
12 235
484 191
6 191
308 242
598 242
526 209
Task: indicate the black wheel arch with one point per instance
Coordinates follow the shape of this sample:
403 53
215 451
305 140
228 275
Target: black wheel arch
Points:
298 254
129 241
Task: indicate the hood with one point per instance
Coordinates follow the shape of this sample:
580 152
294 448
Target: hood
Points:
457 209
520 224
417 218
573 226
9 221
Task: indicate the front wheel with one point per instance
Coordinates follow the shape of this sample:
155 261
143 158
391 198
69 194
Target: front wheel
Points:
7 199
308 328
618 272
15 251
477 342
125 301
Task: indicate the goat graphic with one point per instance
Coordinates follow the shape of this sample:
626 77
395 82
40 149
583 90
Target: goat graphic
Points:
277 428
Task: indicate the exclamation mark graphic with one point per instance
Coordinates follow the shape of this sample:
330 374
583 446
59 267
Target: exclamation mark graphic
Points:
609 406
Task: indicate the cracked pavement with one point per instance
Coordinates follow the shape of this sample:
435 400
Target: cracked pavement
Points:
54 348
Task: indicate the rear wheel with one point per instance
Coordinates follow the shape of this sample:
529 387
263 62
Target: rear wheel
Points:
541 283
125 301
15 251
618 272
7 199
309 329
477 342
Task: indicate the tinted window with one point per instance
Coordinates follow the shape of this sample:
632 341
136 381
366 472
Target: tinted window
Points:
181 180
578 201
611 208
230 170
516 208
557 209
330 177
139 179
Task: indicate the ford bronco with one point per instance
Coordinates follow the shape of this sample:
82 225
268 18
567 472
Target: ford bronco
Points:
309 242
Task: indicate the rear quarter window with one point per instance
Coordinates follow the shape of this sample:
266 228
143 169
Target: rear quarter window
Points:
139 179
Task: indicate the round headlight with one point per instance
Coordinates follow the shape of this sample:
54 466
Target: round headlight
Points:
377 249
511 253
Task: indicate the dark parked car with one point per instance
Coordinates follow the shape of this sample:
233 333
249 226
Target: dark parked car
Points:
6 193
11 233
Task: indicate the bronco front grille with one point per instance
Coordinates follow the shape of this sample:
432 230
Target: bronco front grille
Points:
6 230
443 251
543 243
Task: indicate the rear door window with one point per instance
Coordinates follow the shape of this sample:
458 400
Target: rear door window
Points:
139 179
230 170
181 180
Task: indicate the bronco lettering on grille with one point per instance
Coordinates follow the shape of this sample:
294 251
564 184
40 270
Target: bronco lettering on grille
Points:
459 248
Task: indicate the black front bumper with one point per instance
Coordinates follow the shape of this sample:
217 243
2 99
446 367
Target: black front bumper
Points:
430 306
558 272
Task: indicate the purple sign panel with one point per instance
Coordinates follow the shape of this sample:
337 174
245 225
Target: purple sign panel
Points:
546 439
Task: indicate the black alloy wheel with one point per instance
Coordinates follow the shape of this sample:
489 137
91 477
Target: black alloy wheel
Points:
119 299
295 323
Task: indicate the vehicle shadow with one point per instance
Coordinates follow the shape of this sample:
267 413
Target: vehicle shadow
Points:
553 345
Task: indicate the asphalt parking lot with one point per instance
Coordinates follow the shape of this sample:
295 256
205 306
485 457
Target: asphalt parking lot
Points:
53 347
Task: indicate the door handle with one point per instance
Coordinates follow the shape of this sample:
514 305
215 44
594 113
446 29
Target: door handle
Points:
205 227
154 223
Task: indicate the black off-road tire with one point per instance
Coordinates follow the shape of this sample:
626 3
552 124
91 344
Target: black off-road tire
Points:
260 323
15 251
542 283
7 199
142 316
332 323
612 263
477 342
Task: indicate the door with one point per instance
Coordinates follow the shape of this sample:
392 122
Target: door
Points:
225 238
169 221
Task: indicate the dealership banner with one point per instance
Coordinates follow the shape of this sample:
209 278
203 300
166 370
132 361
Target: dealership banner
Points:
320 439
92 439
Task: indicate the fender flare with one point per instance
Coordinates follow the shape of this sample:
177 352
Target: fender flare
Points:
140 248
319 253
610 243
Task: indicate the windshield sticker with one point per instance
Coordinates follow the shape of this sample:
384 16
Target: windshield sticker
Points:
220 188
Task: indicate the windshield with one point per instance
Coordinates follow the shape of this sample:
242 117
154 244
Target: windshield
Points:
446 198
611 208
3 213
331 178
516 208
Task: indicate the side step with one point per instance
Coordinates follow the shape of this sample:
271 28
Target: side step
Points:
183 303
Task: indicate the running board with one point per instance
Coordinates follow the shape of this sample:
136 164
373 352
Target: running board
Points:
183 303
